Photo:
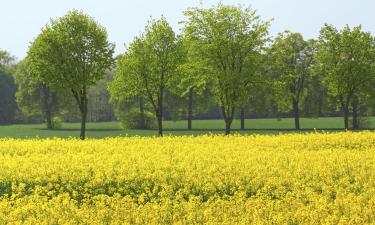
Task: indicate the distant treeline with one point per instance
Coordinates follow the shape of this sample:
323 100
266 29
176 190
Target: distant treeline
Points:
222 64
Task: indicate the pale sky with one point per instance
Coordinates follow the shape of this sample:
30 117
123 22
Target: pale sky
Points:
21 20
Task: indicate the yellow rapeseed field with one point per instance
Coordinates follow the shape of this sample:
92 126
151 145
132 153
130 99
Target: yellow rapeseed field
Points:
317 178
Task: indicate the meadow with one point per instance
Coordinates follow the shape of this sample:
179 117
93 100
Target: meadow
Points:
178 128
295 178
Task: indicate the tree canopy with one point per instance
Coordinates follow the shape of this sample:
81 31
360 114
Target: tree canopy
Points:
71 54
149 66
346 58
8 105
37 99
292 59
222 64
223 42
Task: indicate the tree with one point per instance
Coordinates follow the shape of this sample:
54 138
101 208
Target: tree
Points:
72 54
35 98
346 58
100 109
8 106
222 44
190 108
149 67
188 87
6 61
292 58
316 101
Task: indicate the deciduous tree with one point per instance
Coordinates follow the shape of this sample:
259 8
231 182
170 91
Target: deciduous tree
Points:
8 106
292 59
72 53
149 66
346 58
222 44
35 98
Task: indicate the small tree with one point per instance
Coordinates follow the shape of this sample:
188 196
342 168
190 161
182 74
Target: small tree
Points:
72 54
346 58
222 43
292 58
35 98
6 61
148 67
8 106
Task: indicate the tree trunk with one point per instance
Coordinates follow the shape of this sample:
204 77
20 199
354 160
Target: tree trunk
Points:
82 135
83 109
228 124
228 118
346 117
190 109
142 112
49 119
296 114
242 117
355 113
160 111
160 125
45 95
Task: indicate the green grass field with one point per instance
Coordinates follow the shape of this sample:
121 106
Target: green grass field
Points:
112 129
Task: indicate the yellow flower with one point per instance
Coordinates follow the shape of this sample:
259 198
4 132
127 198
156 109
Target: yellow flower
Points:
317 178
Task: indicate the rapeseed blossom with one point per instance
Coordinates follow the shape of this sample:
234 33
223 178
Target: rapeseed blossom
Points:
317 178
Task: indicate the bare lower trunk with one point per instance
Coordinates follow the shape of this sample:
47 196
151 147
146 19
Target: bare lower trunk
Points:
142 111
296 114
83 108
228 124
82 135
81 98
355 113
160 126
160 111
346 117
228 118
190 109
242 118
47 113
49 119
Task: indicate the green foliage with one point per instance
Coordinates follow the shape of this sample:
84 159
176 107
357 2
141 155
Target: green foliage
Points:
28 93
8 106
57 122
149 66
292 58
222 56
36 99
134 119
71 54
6 62
224 43
149 63
100 108
317 102
175 105
124 108
346 58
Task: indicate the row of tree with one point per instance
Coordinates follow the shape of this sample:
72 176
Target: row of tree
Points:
227 49
223 53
